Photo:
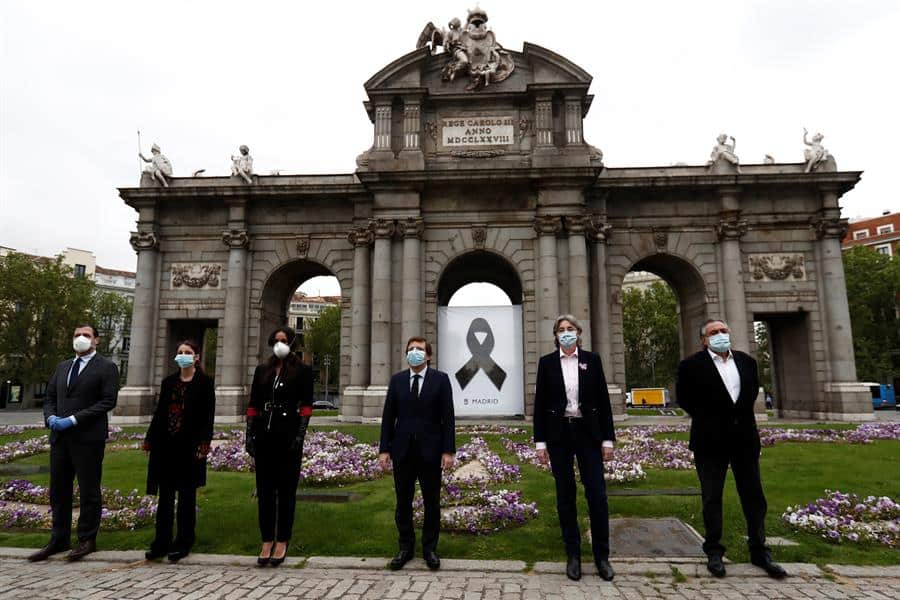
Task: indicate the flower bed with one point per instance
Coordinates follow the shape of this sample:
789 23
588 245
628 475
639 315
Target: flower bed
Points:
15 450
496 471
614 471
17 429
120 511
481 512
840 517
489 429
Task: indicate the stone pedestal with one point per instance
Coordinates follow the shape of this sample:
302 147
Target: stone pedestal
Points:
373 403
231 403
352 403
135 405
847 401
617 402
759 407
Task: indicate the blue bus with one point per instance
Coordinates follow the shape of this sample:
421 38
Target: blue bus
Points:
883 395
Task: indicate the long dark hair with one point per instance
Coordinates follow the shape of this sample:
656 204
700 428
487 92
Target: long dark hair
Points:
198 364
289 362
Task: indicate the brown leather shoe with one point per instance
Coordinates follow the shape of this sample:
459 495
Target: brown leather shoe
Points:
49 550
82 549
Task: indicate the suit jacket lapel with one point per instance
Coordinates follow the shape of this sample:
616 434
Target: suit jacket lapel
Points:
582 375
557 370
81 372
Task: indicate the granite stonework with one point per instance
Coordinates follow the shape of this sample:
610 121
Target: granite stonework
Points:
493 183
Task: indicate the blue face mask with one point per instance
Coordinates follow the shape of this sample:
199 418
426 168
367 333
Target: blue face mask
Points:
720 342
415 357
184 360
567 339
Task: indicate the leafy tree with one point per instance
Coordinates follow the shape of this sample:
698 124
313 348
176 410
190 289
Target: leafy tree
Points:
41 303
763 354
111 313
873 284
323 338
651 336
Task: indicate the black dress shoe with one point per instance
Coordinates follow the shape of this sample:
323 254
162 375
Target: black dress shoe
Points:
715 565
403 557
154 553
275 560
573 568
605 570
49 550
177 554
772 568
82 549
264 560
432 560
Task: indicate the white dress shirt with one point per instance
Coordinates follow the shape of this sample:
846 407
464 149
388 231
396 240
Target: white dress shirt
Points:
421 375
728 371
569 365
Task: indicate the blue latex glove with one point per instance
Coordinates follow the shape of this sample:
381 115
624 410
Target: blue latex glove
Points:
51 420
63 424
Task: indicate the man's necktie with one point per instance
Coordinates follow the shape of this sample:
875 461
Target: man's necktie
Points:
415 386
74 375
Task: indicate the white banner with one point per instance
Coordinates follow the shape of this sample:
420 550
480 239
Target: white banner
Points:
480 348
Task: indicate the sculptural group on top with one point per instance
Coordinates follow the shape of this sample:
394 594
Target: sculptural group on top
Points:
472 50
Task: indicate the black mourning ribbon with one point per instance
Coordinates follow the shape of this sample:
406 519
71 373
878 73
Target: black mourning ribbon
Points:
481 356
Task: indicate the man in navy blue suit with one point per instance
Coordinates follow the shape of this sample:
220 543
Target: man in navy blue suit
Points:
418 436
717 387
573 420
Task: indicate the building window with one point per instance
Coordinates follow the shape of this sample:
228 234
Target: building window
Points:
883 229
883 249
299 326
80 270
126 344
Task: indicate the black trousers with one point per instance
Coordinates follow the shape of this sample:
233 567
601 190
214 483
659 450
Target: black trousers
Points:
277 474
576 443
166 514
71 458
406 472
711 469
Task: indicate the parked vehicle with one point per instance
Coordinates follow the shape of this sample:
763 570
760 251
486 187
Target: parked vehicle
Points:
883 395
652 397
324 405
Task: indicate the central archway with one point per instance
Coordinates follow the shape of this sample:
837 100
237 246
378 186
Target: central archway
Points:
481 347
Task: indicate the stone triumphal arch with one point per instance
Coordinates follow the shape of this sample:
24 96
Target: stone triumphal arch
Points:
478 170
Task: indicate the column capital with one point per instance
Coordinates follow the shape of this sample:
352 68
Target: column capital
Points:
382 228
411 227
731 227
830 227
547 225
144 240
577 224
599 229
360 236
236 239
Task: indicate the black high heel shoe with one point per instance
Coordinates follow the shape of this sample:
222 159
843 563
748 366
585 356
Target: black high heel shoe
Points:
275 561
264 560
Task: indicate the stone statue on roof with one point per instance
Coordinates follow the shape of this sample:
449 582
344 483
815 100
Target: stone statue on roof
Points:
472 50
242 164
816 154
159 168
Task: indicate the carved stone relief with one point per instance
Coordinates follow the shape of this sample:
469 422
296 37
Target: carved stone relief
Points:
479 235
777 267
144 240
302 246
193 275
236 238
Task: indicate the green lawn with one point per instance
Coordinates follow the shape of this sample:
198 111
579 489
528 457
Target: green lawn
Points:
792 473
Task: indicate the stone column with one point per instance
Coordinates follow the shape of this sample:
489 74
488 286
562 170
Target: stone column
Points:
543 121
411 126
382 128
599 232
360 328
135 404
231 395
846 398
547 228
729 230
380 362
411 229
579 286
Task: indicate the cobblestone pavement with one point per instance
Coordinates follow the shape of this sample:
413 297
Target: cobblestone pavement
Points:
95 579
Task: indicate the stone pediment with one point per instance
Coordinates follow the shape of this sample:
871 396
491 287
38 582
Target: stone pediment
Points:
535 68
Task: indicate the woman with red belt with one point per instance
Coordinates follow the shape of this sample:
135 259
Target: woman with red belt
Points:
281 399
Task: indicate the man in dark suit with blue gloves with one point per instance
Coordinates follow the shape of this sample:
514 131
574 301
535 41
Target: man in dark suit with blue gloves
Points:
79 394
573 420
717 387
418 436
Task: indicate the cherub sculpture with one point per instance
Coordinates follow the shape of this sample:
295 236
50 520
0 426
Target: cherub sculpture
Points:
159 168
816 154
242 164
724 151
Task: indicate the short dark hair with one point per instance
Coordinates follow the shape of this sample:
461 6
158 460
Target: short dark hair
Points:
83 325
418 338
707 322
193 346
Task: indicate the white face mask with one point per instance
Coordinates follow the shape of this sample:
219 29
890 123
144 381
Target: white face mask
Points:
281 349
81 344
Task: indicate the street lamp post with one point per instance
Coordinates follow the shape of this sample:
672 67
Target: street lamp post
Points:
327 362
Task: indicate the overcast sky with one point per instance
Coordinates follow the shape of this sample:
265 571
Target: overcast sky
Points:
200 78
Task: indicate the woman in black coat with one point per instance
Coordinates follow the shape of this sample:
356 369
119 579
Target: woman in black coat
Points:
281 399
178 441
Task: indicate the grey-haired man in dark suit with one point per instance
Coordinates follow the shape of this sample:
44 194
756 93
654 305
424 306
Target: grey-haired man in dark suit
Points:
79 395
